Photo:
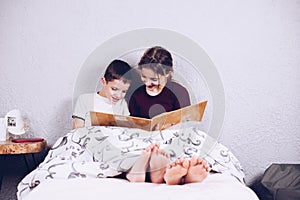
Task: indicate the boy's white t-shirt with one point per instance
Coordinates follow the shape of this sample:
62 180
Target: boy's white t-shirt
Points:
94 102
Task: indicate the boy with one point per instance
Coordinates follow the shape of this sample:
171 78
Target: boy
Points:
110 99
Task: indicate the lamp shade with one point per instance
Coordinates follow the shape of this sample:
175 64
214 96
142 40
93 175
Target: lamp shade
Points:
14 122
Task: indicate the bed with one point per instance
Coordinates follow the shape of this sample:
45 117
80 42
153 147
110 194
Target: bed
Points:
84 162
216 186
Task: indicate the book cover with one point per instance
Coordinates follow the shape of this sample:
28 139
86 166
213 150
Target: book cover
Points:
159 122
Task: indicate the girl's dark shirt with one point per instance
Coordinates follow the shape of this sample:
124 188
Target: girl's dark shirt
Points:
172 97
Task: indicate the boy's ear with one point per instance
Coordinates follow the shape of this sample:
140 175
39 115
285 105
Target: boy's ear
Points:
103 81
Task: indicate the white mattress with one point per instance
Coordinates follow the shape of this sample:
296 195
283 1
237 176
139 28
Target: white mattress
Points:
215 186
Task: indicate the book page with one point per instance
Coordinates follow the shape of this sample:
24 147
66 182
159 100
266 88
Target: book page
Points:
107 119
190 113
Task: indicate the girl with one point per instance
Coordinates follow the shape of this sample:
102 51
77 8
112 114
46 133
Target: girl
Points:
159 93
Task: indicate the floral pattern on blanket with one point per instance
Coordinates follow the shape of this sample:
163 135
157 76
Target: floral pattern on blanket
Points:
100 152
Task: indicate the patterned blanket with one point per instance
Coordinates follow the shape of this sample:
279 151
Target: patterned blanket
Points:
100 152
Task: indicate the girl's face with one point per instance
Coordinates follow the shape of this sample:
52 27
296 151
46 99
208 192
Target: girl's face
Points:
114 90
153 81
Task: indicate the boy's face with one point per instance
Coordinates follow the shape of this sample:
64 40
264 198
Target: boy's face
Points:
114 90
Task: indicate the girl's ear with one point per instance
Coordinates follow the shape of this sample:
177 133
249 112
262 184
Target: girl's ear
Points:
168 75
103 81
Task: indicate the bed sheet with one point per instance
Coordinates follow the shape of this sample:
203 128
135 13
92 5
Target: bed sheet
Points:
214 187
103 152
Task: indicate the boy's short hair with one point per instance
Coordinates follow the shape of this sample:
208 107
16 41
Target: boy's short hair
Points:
118 70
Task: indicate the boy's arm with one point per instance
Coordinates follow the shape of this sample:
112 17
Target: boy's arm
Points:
83 105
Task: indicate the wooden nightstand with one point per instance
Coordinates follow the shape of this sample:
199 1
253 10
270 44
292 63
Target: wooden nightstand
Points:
9 148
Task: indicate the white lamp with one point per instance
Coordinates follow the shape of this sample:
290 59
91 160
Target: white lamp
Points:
14 122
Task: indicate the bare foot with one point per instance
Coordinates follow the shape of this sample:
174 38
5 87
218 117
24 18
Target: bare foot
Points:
138 171
197 171
176 170
158 163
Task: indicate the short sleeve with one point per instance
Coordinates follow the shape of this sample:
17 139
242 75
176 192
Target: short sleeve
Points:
82 106
181 95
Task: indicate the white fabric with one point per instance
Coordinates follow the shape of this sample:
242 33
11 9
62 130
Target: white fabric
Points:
99 152
94 102
214 187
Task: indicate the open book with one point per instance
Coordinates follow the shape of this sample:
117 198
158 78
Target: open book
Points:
159 122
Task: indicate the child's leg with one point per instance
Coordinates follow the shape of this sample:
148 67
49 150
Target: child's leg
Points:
176 171
138 171
197 171
158 163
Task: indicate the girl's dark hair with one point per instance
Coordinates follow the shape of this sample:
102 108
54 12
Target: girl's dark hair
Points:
118 70
158 59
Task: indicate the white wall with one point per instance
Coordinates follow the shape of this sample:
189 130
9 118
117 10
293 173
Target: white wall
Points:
255 46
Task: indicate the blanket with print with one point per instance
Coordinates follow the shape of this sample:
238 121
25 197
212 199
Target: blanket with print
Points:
101 152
